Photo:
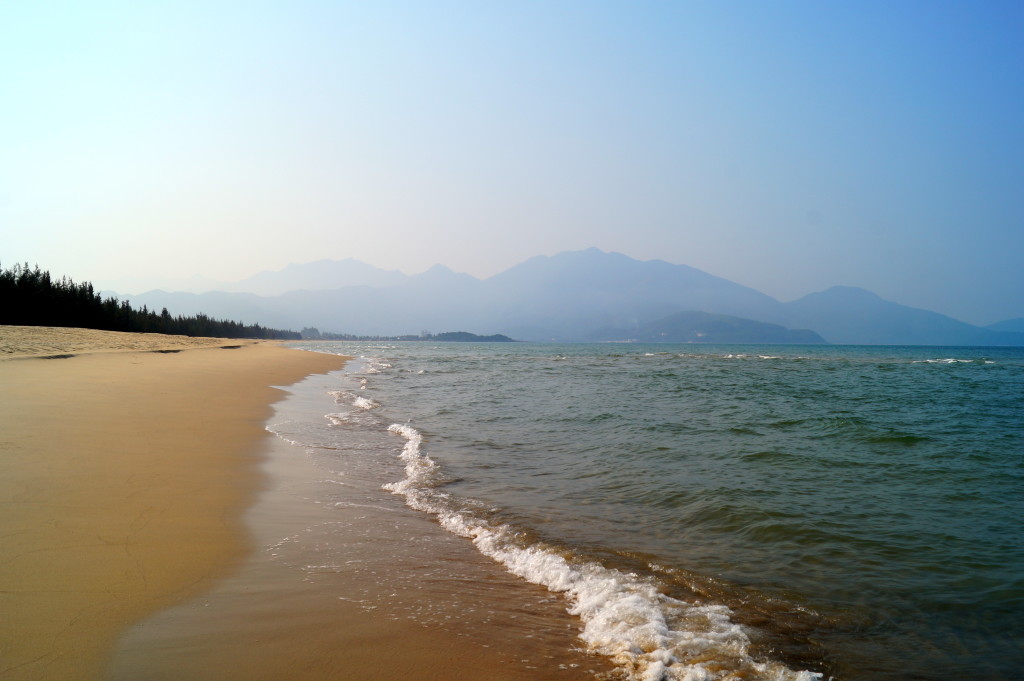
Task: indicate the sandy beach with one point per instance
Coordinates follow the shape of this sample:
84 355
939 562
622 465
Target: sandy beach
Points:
140 490
126 461
346 582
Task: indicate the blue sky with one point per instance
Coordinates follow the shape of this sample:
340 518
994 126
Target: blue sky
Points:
788 146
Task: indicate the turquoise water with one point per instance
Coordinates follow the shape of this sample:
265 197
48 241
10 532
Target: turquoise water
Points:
853 512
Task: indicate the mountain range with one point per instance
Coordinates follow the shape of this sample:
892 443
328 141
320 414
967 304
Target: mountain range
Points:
573 296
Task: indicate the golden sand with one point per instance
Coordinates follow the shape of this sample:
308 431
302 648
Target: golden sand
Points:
47 341
123 474
127 550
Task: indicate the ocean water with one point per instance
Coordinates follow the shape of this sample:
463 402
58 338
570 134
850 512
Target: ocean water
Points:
717 512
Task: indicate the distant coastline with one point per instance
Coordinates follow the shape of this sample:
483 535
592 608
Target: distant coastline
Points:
574 296
446 337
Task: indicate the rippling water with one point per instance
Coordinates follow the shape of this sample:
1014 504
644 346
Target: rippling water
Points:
766 512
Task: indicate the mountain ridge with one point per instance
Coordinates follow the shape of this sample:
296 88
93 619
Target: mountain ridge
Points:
565 297
705 327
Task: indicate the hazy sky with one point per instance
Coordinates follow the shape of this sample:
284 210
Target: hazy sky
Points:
788 146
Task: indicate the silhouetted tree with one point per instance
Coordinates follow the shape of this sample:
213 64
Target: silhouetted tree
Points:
30 297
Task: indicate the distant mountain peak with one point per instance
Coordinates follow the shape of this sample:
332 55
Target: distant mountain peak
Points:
442 273
703 327
844 293
1008 325
439 270
319 275
570 296
851 291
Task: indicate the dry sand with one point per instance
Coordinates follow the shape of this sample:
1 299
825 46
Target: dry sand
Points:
124 470
53 341
348 586
136 487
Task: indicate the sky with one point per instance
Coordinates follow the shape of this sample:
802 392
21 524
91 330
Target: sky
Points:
787 146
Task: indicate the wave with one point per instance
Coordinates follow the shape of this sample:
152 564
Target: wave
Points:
649 635
375 366
953 360
357 401
365 403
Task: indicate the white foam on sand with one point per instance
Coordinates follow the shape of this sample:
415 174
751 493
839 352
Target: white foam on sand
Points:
650 636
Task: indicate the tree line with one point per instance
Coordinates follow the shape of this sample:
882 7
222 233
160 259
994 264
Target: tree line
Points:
31 297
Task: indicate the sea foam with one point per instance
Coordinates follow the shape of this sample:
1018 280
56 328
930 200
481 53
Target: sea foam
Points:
953 360
647 634
365 403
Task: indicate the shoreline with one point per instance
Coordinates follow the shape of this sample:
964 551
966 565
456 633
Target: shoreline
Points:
128 461
346 580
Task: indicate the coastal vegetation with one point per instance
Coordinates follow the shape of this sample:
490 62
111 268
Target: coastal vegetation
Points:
32 297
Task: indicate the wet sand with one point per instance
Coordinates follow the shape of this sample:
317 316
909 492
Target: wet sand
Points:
141 497
124 472
346 582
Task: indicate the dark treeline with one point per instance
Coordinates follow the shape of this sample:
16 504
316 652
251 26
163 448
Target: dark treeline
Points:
31 297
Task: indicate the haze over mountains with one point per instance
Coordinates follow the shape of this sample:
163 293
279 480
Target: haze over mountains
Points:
573 296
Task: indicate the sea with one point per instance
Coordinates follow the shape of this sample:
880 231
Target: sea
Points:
706 512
